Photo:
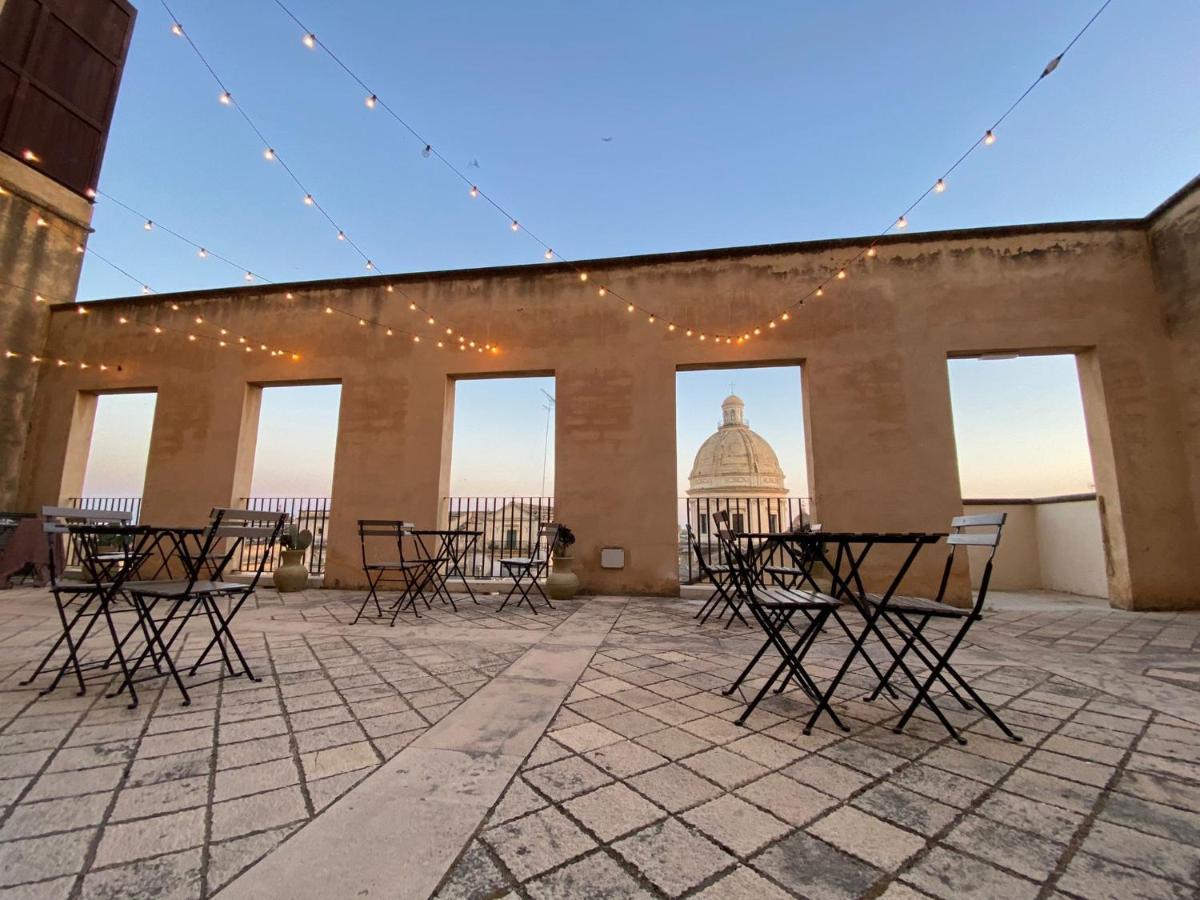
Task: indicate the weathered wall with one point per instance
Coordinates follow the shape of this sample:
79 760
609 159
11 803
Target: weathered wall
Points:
1046 544
1175 245
33 260
876 390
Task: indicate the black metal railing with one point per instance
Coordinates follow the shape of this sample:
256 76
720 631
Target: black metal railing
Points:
746 514
306 512
110 504
509 526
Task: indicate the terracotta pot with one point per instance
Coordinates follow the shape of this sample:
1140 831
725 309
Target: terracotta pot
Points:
561 583
291 574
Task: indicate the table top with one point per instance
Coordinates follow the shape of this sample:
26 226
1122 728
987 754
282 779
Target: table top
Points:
874 537
446 532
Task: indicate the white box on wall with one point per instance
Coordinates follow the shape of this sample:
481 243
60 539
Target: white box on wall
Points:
612 558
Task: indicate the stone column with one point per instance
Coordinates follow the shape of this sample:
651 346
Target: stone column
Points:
391 461
882 455
1141 471
615 479
35 260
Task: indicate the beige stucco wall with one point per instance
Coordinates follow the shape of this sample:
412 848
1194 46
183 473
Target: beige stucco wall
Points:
876 387
33 259
1045 545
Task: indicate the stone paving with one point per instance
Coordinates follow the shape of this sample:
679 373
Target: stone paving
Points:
642 785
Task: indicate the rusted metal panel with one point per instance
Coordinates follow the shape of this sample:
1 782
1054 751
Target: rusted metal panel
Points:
60 68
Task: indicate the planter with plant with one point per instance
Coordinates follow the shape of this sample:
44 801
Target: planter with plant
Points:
292 574
562 583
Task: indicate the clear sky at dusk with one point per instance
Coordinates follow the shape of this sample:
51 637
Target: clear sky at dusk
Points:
790 122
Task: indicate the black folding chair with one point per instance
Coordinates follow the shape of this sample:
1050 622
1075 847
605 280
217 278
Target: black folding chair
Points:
719 577
908 616
406 574
85 594
774 608
230 531
526 570
800 570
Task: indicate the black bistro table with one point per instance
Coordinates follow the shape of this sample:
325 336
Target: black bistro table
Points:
445 554
840 556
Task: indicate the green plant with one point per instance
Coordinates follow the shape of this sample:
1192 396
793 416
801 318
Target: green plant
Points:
294 538
564 539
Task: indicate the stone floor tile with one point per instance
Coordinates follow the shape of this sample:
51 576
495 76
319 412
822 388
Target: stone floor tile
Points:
613 811
596 876
66 814
338 760
863 757
1050 789
169 833
255 779
673 743
1050 822
736 824
953 876
1019 851
825 872
1153 818
1137 850
766 750
229 858
632 724
794 803
586 736
270 809
867 837
742 884
518 799
903 807
55 889
566 778
172 877
827 776
324 791
727 769
1098 879
625 759
939 784
537 842
673 787
474 876
73 784
37 858
672 856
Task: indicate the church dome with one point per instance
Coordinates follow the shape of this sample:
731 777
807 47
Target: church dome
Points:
735 460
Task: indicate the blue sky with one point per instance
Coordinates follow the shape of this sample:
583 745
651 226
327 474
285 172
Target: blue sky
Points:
801 121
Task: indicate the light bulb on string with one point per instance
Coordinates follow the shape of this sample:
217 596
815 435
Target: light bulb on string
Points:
602 290
549 254
309 40
841 274
388 332
341 235
30 156
902 222
671 326
871 252
269 154
176 29
688 332
308 200
786 316
249 276
145 288
371 101
629 308
202 253
175 307
650 320
226 98
425 153
989 138
474 192
940 186
583 276
370 265
515 225
148 226
42 223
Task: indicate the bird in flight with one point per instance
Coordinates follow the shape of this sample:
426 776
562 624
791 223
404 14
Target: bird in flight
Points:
606 139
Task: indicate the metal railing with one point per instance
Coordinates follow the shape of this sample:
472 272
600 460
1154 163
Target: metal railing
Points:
509 526
112 504
752 514
306 512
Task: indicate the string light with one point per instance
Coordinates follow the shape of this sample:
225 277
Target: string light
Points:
310 40
549 254
989 138
269 154
474 192
583 276
371 101
42 223
871 251
515 225
202 253
176 29
901 222
939 188
602 291
308 200
30 156
226 98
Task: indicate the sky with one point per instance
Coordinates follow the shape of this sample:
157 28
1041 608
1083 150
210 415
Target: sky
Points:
800 121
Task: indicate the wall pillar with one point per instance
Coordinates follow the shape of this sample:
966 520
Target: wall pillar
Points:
1141 470
882 455
615 478
391 460
198 447
34 260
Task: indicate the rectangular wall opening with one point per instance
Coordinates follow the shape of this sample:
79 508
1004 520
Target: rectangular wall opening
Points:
501 465
294 456
1023 450
119 450
741 448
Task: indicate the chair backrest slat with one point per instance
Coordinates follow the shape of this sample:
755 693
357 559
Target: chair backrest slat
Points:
974 540
246 532
994 519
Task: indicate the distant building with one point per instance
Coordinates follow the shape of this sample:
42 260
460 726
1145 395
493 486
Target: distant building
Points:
736 470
